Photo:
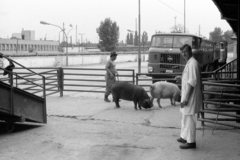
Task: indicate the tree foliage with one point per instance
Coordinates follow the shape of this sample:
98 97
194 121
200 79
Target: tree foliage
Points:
144 38
177 29
218 35
228 35
136 39
129 40
108 33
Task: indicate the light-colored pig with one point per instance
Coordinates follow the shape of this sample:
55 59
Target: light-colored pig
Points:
163 90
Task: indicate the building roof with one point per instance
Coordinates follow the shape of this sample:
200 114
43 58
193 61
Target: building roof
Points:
229 12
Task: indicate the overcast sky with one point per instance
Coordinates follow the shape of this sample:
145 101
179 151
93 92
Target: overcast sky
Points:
16 15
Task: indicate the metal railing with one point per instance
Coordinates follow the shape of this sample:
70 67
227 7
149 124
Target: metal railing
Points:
91 79
145 79
221 104
34 80
224 99
61 80
51 76
226 72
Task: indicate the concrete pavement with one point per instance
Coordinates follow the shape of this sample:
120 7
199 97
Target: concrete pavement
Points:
83 126
143 134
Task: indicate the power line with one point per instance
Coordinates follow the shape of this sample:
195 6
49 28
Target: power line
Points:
171 7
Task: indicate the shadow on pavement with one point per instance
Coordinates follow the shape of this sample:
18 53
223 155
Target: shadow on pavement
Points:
18 127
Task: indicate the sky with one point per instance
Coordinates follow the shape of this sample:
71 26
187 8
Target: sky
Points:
86 16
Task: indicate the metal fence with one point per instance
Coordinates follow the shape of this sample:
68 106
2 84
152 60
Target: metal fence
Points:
90 79
61 80
221 103
31 81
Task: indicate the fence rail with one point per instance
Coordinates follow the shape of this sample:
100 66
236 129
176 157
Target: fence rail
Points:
87 80
221 103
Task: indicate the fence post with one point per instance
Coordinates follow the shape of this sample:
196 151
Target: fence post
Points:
133 76
60 80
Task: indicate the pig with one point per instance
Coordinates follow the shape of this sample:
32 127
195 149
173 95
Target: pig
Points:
165 90
130 92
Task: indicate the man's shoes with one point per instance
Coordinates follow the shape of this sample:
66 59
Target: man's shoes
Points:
181 140
188 145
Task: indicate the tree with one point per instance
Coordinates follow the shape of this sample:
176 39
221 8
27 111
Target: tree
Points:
136 39
216 35
108 33
131 39
177 29
228 35
128 39
144 38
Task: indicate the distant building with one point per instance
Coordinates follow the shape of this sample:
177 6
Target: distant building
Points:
25 42
28 35
15 45
17 35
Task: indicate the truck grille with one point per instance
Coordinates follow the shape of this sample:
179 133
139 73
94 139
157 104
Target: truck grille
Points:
169 61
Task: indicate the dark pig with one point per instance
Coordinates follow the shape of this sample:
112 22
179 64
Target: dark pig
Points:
130 92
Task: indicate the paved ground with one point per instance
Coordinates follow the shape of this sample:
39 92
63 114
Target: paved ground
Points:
81 126
84 127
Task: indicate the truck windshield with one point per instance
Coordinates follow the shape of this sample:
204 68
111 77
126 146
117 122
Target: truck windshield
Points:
171 41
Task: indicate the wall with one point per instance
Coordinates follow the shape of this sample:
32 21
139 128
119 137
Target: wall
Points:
73 60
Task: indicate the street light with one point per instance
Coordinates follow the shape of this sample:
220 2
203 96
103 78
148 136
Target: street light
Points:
139 45
63 30
81 39
67 34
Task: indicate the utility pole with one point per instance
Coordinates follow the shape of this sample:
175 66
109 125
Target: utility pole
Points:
184 17
63 32
139 38
81 40
76 34
175 21
199 31
136 25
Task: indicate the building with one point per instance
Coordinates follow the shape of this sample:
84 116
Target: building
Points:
25 42
17 35
15 45
28 35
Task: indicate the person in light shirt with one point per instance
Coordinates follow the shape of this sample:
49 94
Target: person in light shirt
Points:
191 98
111 73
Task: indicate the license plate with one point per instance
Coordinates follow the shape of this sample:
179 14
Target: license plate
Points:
169 71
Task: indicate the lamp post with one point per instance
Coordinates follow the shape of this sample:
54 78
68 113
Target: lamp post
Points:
139 45
184 16
63 30
67 36
81 39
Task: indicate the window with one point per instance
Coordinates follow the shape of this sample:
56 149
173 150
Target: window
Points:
162 41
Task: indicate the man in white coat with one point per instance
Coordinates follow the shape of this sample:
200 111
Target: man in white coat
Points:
191 98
